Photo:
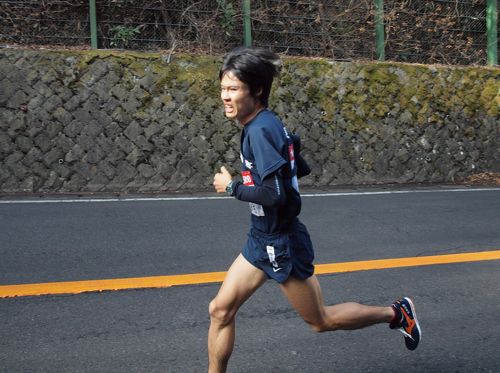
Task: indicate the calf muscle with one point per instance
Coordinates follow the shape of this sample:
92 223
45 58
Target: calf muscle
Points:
307 299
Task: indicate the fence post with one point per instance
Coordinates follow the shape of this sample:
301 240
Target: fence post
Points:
247 25
492 32
93 24
379 30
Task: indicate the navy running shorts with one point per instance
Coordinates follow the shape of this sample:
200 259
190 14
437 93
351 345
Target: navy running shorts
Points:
281 255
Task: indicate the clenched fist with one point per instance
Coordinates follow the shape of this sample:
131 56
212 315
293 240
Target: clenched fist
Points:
222 180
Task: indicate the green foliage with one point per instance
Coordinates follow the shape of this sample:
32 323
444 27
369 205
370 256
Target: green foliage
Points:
228 16
122 35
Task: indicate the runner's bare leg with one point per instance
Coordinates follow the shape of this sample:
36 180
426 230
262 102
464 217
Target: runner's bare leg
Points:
241 281
305 296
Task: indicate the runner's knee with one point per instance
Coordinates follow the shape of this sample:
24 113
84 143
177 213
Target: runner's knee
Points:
317 327
223 315
323 325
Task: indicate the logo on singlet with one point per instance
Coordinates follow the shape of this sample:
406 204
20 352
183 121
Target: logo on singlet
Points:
247 163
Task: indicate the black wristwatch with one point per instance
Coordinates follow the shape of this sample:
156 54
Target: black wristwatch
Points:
229 188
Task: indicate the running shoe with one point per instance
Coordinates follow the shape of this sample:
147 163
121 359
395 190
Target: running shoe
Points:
408 324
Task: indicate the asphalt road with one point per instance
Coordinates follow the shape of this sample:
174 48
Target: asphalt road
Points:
164 330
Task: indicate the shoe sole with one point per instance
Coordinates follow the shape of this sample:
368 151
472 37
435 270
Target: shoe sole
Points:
408 340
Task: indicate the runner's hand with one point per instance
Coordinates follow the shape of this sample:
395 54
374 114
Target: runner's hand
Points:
222 180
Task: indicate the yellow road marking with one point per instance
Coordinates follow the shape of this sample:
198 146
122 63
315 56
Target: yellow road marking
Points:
406 262
75 287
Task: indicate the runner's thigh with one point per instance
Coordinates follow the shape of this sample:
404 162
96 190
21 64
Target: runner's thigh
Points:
241 281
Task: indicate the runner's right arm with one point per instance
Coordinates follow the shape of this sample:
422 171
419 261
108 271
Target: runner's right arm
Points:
270 194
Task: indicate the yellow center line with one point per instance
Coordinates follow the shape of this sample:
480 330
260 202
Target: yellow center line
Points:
76 287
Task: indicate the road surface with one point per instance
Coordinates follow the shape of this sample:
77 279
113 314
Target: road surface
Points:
164 329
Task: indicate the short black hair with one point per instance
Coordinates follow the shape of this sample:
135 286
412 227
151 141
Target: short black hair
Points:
256 67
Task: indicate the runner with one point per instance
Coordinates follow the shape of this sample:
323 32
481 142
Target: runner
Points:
278 245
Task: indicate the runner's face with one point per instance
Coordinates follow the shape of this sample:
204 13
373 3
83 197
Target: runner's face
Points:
238 102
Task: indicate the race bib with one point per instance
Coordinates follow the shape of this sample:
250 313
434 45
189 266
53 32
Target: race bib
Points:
256 209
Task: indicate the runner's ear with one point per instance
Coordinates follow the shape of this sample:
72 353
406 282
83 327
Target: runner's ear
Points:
259 93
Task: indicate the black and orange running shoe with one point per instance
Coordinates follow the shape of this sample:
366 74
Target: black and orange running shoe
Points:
407 323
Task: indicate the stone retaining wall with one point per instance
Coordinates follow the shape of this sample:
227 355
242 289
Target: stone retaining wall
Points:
101 121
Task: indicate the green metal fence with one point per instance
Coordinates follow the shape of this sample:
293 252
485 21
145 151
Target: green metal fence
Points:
433 31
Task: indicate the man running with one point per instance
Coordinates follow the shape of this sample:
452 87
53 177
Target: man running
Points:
278 245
